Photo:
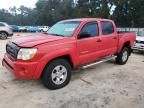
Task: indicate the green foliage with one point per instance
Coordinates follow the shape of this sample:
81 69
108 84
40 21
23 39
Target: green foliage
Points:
20 16
126 13
129 13
52 11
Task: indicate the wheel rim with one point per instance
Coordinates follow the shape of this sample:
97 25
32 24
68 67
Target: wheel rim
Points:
3 35
125 56
59 74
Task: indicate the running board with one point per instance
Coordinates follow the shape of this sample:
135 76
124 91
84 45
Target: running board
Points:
98 62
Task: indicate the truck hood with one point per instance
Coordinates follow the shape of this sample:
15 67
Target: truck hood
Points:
140 38
33 40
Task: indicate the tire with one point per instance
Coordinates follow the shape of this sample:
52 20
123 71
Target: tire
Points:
41 31
123 56
57 69
3 35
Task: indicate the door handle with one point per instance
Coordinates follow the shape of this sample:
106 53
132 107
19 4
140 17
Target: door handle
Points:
99 40
114 37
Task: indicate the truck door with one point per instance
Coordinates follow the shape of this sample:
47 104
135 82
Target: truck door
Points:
109 38
89 46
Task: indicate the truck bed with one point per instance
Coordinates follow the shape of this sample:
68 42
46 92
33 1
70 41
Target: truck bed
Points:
126 37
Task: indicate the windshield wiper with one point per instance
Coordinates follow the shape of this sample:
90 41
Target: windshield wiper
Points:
56 34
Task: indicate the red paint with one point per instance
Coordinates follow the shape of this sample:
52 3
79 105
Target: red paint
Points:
80 51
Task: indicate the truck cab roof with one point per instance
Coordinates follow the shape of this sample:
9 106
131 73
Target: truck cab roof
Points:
87 19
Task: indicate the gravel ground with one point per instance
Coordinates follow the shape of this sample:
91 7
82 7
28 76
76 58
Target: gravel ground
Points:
105 85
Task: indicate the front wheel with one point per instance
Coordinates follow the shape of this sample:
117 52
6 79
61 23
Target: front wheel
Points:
57 74
123 56
3 35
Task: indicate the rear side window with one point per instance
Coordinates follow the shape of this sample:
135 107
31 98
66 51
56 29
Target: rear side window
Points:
91 28
1 24
107 27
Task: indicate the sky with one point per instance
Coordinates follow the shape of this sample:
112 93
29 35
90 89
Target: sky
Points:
10 3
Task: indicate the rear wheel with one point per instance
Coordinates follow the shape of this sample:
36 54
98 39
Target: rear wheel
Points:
57 74
3 35
123 56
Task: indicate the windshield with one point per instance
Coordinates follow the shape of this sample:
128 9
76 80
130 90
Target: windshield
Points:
141 33
64 28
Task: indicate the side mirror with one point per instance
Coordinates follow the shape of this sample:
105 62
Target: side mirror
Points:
83 35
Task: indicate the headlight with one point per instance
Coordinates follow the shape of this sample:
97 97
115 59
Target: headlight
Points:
26 53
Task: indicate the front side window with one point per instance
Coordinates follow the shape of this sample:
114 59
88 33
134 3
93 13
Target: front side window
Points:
66 28
107 27
91 28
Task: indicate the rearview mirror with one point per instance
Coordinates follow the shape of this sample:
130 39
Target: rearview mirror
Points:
83 35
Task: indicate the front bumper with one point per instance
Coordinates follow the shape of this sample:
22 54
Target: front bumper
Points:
22 70
139 47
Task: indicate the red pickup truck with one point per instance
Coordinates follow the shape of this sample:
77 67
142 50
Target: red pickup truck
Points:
67 45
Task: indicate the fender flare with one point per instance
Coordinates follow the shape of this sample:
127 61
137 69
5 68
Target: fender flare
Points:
49 57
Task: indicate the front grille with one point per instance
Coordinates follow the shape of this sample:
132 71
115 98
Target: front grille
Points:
12 50
137 41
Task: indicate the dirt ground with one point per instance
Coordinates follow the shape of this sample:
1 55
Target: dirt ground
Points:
105 85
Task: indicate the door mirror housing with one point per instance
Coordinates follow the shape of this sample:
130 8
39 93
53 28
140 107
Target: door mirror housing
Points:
83 35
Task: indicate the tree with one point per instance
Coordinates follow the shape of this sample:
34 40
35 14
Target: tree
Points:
4 15
13 10
126 13
129 13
